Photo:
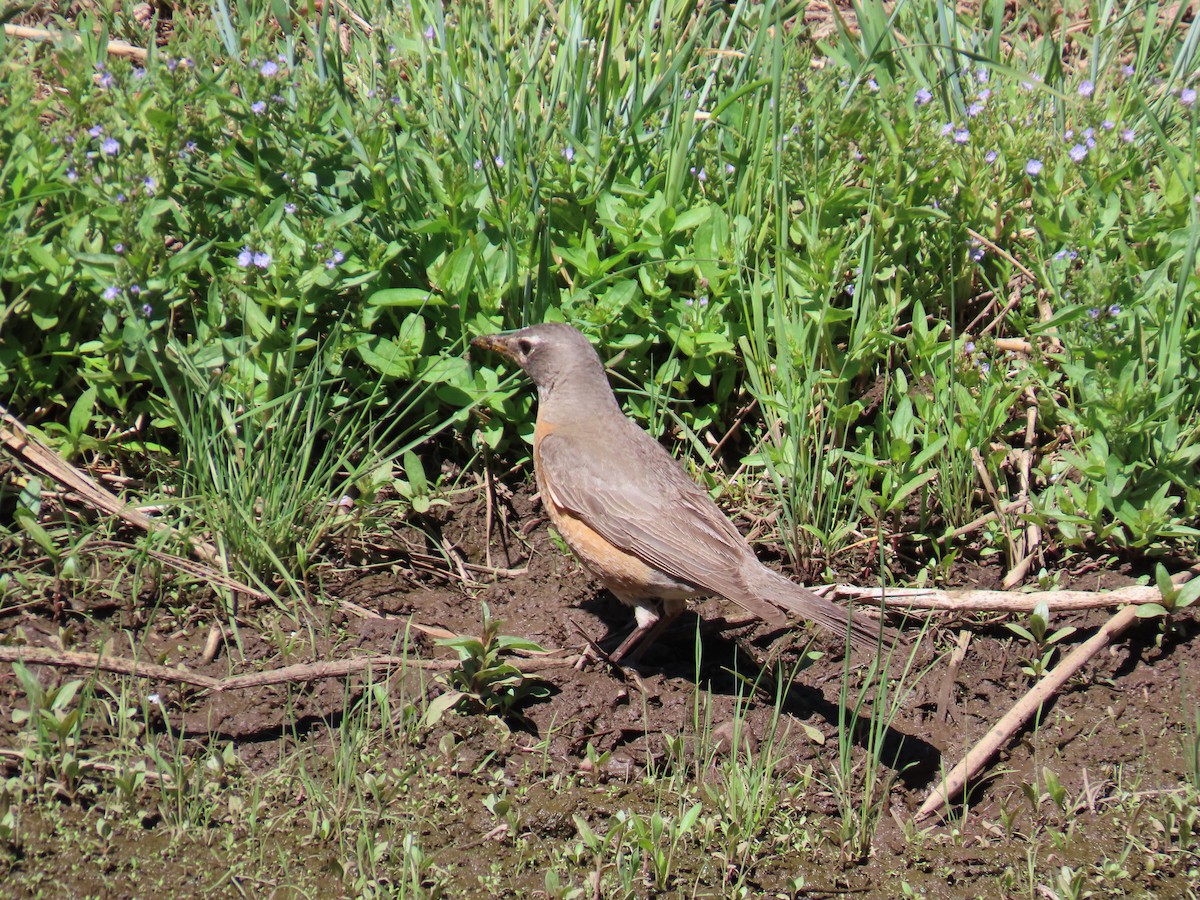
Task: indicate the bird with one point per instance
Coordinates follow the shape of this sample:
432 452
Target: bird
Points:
631 514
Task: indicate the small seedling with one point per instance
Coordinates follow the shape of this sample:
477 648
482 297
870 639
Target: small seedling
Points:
1044 642
485 682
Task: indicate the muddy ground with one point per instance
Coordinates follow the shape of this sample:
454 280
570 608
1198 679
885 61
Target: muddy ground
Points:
1120 731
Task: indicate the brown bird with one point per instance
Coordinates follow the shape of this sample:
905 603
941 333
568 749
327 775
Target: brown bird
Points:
631 514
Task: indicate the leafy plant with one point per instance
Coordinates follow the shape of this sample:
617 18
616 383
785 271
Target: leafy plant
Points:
1044 642
485 682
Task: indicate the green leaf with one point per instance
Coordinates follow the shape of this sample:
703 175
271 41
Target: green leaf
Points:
439 706
40 536
1151 611
81 412
405 297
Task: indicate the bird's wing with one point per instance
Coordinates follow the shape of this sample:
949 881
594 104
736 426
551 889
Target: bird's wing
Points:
627 488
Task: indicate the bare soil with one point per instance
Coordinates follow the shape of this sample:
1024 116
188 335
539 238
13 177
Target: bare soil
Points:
1121 728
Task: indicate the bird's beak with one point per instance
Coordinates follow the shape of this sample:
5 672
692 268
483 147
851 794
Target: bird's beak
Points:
498 343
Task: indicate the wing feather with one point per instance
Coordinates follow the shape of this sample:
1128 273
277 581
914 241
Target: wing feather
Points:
623 498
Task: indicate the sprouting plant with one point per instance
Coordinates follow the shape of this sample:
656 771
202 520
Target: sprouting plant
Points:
1044 642
485 682
415 487
53 722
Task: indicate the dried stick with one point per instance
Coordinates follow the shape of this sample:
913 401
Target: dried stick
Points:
1033 531
1015 718
989 488
1011 506
297 674
946 691
115 48
971 600
26 447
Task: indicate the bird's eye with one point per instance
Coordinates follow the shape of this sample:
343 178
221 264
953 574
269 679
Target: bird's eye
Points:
525 346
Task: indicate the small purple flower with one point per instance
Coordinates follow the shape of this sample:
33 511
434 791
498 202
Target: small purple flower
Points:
1128 71
430 33
1061 254
1068 134
1033 79
1094 313
111 293
984 94
990 156
135 289
1187 96
948 129
72 175
1033 168
850 289
119 249
1128 135
873 84
258 107
974 109
335 260
104 79
985 368
289 208
245 258
499 161
149 184
701 176
139 73
969 347
961 136
262 259
278 98
1108 124
478 165
1114 310
110 147
172 64
1086 88
1091 143
269 69
186 62
568 153
923 96
977 254
982 75
121 198
147 310
96 130
730 168
1089 132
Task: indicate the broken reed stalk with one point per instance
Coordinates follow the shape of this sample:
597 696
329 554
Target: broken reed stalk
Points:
114 48
971 601
1013 720
297 674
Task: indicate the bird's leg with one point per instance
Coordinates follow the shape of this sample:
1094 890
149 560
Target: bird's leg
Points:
652 621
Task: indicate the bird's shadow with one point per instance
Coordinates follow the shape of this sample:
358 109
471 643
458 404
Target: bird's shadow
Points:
724 667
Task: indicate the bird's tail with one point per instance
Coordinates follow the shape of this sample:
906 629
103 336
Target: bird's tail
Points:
865 631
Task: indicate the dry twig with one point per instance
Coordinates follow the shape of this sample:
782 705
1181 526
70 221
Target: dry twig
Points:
297 674
114 48
970 600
